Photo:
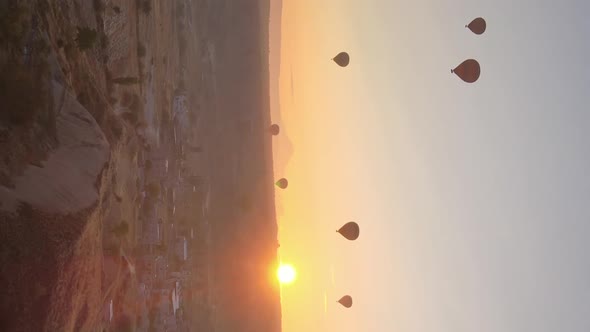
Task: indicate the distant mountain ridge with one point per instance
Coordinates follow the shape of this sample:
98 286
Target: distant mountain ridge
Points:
282 144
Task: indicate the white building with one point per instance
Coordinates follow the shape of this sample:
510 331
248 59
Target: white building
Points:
183 275
182 247
158 170
180 118
108 311
152 225
180 104
158 152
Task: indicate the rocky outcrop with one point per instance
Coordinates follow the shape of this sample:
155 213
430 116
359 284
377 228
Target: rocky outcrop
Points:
67 181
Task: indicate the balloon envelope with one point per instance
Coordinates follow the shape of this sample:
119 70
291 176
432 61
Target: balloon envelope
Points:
342 59
346 301
468 70
282 183
477 26
350 230
274 129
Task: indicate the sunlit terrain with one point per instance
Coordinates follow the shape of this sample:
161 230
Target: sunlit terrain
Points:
135 155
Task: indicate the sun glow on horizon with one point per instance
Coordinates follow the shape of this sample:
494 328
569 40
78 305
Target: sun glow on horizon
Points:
286 274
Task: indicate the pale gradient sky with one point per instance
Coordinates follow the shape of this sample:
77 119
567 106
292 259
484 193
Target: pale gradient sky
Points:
472 198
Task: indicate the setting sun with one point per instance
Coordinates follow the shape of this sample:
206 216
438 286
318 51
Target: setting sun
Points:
286 274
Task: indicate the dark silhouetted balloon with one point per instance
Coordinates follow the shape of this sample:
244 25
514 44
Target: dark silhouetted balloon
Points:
468 70
274 129
346 301
282 183
342 59
477 26
350 230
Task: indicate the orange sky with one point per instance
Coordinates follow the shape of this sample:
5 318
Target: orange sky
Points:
336 121
470 197
307 235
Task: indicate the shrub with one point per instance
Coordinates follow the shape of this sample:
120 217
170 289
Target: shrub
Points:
165 118
17 86
196 149
130 117
182 44
104 41
116 129
245 203
124 324
153 189
99 6
109 81
135 106
145 6
161 248
140 125
14 23
121 229
70 50
125 80
86 38
126 98
141 50
180 9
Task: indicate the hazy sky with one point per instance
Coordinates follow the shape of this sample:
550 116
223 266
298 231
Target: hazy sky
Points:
473 199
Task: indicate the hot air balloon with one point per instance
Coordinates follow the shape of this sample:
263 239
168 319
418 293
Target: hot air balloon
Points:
346 301
282 183
350 230
468 70
477 26
342 59
274 129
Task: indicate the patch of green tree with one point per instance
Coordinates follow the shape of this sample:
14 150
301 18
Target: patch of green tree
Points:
86 38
